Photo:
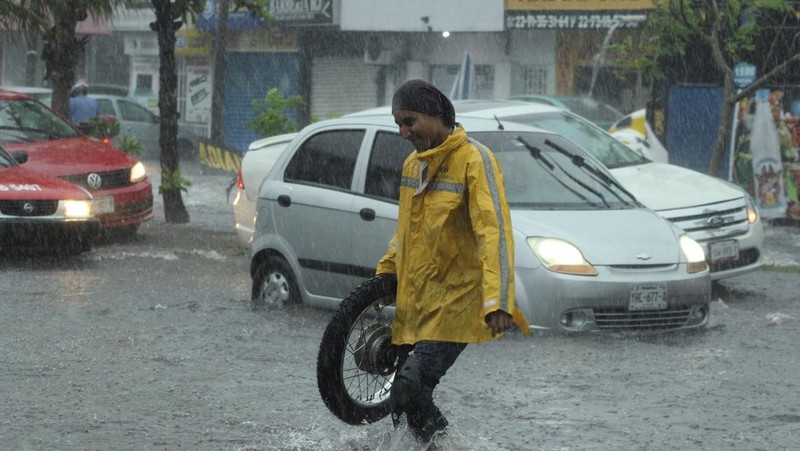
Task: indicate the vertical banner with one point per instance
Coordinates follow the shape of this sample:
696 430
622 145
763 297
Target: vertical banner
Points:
766 151
198 92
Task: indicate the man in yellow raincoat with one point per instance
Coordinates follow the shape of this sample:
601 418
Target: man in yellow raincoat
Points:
452 253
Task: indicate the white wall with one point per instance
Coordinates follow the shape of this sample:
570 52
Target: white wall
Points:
406 15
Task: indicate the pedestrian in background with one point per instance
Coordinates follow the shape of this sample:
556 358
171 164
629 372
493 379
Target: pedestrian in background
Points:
452 253
82 107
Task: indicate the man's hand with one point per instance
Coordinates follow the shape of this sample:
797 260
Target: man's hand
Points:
498 322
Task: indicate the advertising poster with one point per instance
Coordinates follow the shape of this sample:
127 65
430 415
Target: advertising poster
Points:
766 150
198 93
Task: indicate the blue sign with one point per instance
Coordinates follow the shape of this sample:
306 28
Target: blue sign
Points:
744 74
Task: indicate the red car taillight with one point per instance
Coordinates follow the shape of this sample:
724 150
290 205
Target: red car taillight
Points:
239 181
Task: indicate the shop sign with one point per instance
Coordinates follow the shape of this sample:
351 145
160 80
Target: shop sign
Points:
571 20
316 12
192 42
579 5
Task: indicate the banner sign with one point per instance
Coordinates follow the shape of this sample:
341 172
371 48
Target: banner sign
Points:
579 5
766 150
219 159
299 12
583 20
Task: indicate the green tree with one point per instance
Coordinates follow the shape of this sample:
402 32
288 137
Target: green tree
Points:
271 114
727 32
55 21
170 16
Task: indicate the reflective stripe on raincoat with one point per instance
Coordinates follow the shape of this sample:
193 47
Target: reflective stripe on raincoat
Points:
453 266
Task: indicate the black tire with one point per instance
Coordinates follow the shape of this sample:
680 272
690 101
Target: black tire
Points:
356 361
274 284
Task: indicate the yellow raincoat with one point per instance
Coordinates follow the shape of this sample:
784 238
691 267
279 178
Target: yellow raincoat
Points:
452 265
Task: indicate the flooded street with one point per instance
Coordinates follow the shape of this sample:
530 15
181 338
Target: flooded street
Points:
151 344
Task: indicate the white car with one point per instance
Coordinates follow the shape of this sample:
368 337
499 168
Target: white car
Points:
719 215
256 164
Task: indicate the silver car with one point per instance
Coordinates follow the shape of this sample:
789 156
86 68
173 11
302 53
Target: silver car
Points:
589 256
137 121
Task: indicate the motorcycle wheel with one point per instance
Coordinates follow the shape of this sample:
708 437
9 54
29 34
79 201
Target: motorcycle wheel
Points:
357 361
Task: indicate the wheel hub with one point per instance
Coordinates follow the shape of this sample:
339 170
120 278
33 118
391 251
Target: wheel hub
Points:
275 290
375 353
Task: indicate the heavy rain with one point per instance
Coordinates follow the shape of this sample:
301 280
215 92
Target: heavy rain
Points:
150 339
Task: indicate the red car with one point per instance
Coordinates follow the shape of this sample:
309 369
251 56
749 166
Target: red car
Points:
42 213
122 193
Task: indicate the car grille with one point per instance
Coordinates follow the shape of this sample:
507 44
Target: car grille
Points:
621 318
109 180
28 207
713 222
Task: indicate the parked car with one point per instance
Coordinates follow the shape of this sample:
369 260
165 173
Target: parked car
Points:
256 164
328 207
39 93
599 113
634 131
137 121
39 213
122 193
719 215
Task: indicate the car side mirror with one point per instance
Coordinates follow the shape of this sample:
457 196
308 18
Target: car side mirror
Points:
20 156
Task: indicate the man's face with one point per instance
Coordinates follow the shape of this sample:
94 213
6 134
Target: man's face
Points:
425 132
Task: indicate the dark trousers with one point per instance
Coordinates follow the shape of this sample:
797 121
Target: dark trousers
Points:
420 369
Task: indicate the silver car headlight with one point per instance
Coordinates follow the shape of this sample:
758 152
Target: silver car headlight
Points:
695 256
560 256
137 172
75 209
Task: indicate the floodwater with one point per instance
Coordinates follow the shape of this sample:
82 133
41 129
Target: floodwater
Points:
152 345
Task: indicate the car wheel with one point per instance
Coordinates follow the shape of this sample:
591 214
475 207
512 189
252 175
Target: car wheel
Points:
274 284
357 361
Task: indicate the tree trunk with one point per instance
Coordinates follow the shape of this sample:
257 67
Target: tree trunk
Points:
165 26
220 60
61 50
724 128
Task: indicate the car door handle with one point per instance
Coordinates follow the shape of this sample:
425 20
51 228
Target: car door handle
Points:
367 214
284 200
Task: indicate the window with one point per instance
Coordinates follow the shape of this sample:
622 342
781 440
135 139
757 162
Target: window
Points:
386 165
327 158
106 107
131 111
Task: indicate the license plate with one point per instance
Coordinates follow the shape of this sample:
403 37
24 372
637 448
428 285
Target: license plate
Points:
723 250
102 205
648 297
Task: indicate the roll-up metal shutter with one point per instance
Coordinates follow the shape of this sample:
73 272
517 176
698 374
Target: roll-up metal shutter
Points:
341 85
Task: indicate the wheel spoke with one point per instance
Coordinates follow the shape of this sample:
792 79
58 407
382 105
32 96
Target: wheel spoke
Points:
364 387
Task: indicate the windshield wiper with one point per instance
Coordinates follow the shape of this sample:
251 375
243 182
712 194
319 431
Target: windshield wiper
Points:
537 155
600 176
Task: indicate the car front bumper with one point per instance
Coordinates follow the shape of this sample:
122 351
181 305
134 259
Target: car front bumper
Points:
47 235
568 303
132 205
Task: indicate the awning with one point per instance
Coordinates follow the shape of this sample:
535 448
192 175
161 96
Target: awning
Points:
93 27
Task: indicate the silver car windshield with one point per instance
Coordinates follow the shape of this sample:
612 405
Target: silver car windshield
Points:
611 153
29 120
540 177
